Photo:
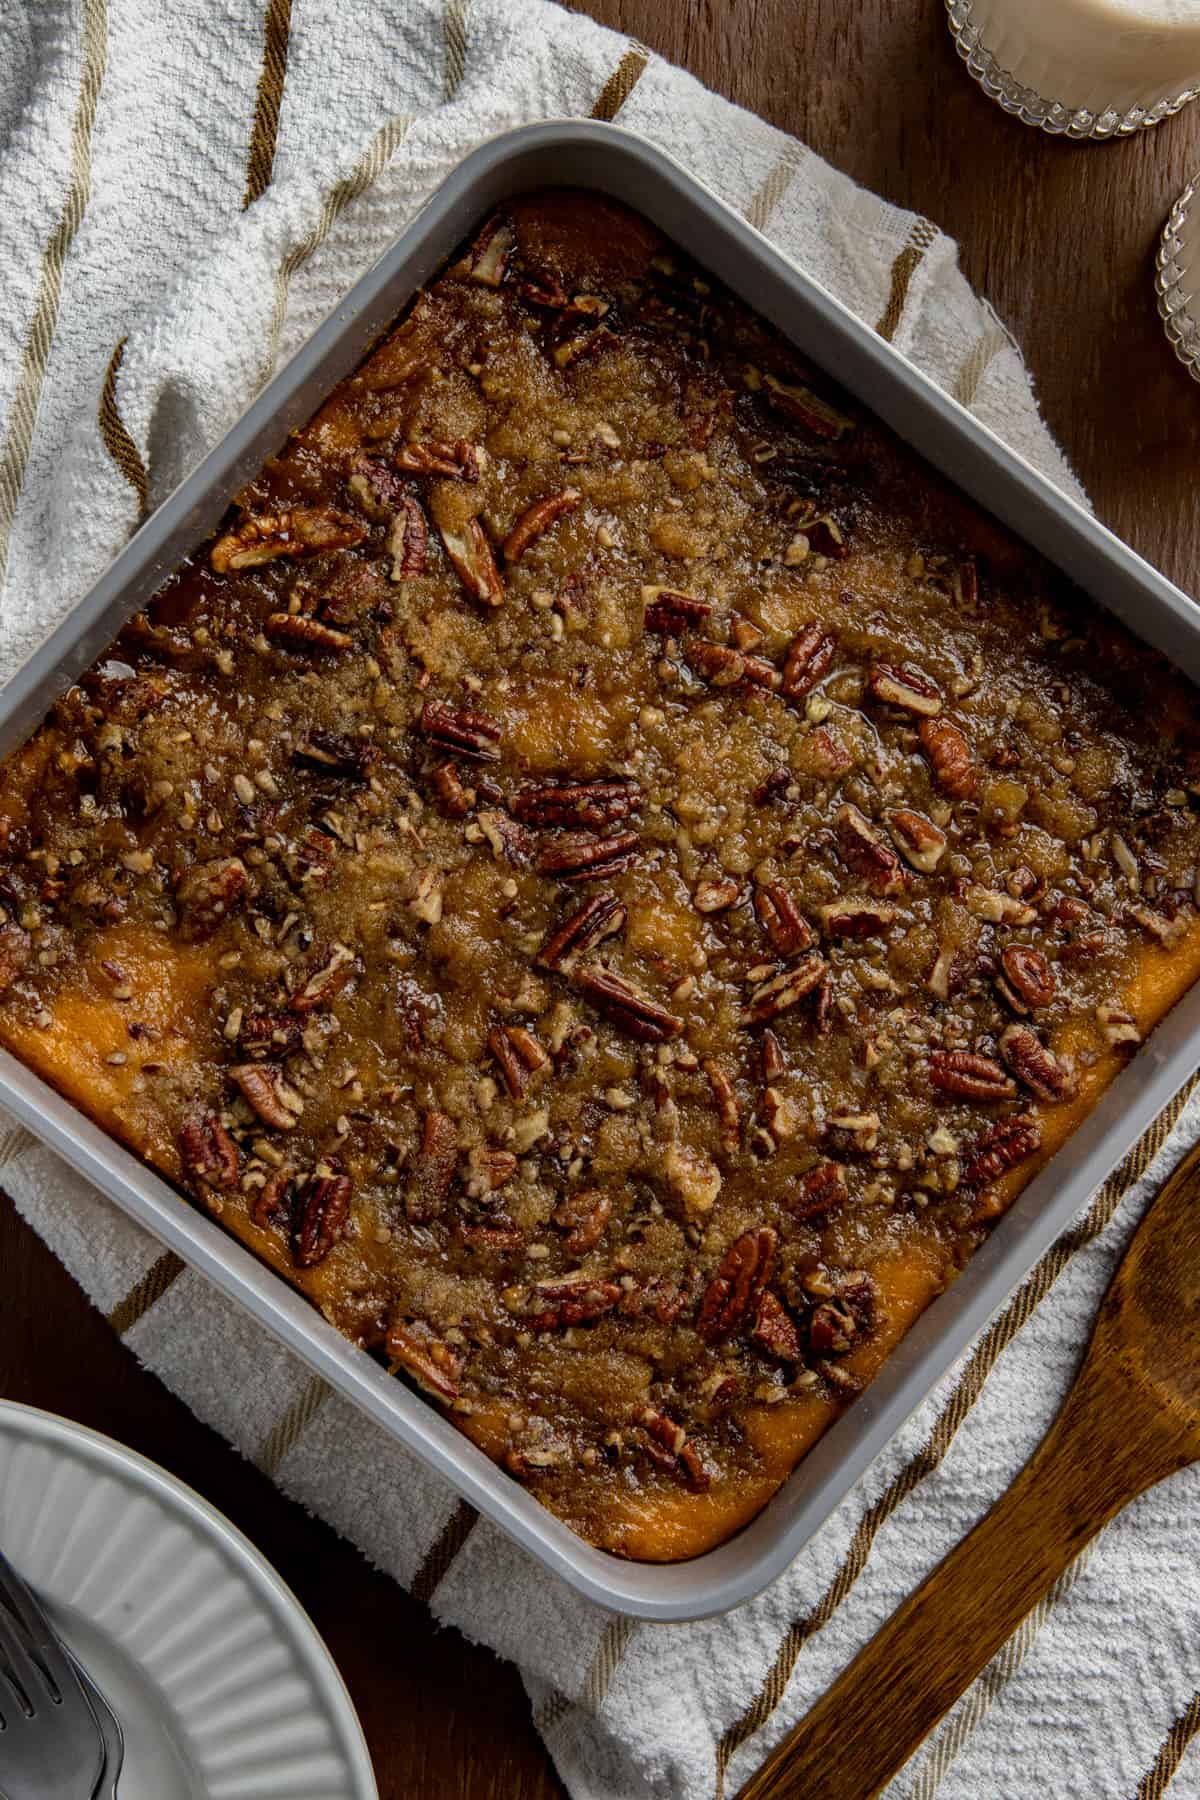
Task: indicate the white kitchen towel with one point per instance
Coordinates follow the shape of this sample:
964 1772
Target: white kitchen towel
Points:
186 188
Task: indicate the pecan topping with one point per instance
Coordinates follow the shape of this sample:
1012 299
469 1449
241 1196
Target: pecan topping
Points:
583 856
908 688
451 797
771 1056
433 1365
722 666
817 417
731 1297
600 917
302 531
808 657
715 896
857 918
208 1153
969 1076
488 259
460 460
628 1007
269 1033
833 1328
588 343
774 1329
594 804
262 1087
1035 1065
785 925
693 1178
536 519
320 1213
575 1300
16 947
432 1169
949 757
729 1113
996 908
333 753
920 842
408 540
669 613
378 489
518 1054
864 851
818 1191
301 632
1156 925
1118 1025
583 1217
464 733
207 894
272 1210
1007 1143
770 998
1028 979
488 1168
471 557
320 977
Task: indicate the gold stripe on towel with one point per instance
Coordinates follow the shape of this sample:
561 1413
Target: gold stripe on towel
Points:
260 160
287 1430
143 1294
454 40
1157 1779
774 186
40 336
115 432
983 1359
442 1552
615 1639
13 1142
621 83
903 270
978 361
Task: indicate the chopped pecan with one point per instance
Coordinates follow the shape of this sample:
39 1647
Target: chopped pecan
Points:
302 531
207 894
275 1034
716 896
471 557
583 1217
432 1169
572 1300
587 343
997 908
785 925
665 1431
920 842
771 1056
583 856
488 1169
460 460
669 613
816 416
777 995
408 540
833 1328
450 796
731 1297
864 851
593 804
1156 925
729 1113
600 917
518 1054
857 918
949 757
423 894
809 655
321 1210
497 1234
774 1329
661 1298
488 259
695 1473
536 519
693 1178
273 1207
969 1076
473 735
1035 1065
1027 980
723 666
302 633
320 977
334 753
378 489
907 688
628 1007
817 1191
1118 1024
262 1087
16 947
413 1347
208 1153
1007 1143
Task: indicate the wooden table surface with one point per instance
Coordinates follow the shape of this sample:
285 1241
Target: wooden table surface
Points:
1061 239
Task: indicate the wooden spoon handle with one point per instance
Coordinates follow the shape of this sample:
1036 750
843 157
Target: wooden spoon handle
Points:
892 1695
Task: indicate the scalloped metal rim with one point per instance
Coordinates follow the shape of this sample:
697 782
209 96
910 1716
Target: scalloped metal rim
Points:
1181 326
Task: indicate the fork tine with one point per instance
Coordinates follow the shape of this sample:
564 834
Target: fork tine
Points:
34 1629
24 1680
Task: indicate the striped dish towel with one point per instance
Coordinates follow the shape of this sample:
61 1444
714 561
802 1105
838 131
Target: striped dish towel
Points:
186 191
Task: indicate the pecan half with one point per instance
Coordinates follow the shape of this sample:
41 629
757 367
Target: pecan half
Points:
261 1086
320 977
817 1191
306 635
419 1352
970 1077
583 1217
488 259
628 1007
460 460
272 1209
207 894
716 896
907 688
669 613
16 947
321 1212
1007 1143
600 917
571 1301
408 540
302 531
729 1113
473 735
770 998
208 1153
1027 981
472 560
857 918
518 1054
536 519
1036 1066
774 1329
723 666
785 925
450 796
809 655
817 416
864 851
432 1169
731 1297
920 842
949 757
582 856
594 804
488 1169
334 753
269 1033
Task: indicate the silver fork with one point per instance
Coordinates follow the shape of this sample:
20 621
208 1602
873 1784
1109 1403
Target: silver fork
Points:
110 1731
50 1743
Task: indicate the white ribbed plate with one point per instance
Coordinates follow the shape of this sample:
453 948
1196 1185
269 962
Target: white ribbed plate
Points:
222 1685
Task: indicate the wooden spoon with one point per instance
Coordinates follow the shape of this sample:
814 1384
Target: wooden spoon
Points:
1132 1417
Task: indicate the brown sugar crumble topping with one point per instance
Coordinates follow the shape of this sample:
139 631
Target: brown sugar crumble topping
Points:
605 872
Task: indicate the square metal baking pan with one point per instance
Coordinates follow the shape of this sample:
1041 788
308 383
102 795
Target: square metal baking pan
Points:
607 159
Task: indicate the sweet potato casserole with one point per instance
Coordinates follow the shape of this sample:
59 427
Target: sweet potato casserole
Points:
606 873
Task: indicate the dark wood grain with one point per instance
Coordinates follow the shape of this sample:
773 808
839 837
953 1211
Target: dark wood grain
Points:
1131 1419
1060 237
